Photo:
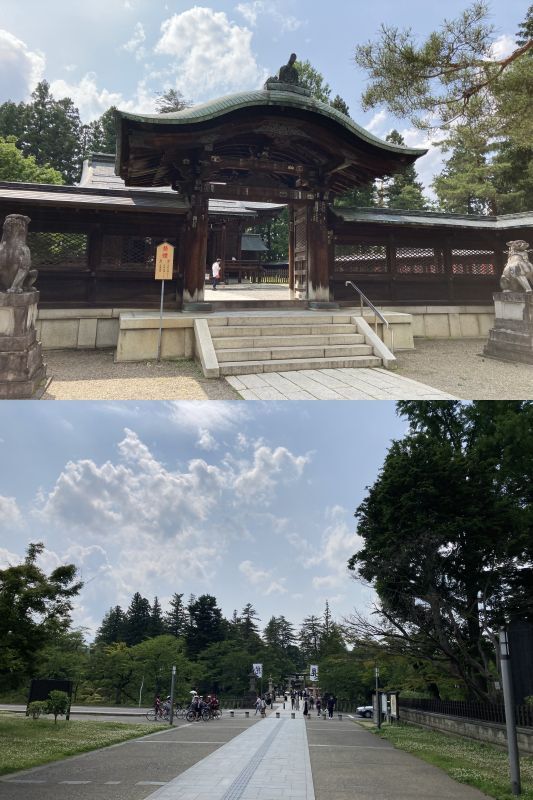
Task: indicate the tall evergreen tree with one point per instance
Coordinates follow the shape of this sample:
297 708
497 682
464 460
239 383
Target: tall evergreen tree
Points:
113 627
311 634
403 190
176 617
157 626
101 134
206 624
248 625
138 620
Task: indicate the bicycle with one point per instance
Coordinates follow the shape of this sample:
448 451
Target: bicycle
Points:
204 714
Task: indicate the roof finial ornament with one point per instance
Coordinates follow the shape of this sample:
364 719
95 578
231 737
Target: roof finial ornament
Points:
288 79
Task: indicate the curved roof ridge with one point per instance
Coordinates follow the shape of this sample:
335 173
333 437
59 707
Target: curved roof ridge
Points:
264 97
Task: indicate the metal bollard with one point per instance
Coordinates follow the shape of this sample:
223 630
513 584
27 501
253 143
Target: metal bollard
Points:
277 714
232 713
293 715
323 715
340 716
246 713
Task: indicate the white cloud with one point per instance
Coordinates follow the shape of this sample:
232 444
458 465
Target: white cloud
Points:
8 559
259 478
10 516
92 101
211 53
503 46
251 12
211 416
206 440
262 579
376 123
338 544
135 44
20 68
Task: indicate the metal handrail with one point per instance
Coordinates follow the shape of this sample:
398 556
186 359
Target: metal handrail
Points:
377 314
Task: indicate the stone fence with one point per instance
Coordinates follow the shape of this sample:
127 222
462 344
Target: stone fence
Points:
473 729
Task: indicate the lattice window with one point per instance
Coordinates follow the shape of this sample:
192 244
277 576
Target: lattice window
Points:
130 252
419 261
58 250
370 258
474 262
300 236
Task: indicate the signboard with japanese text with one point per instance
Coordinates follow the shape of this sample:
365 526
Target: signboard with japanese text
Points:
313 672
258 670
164 262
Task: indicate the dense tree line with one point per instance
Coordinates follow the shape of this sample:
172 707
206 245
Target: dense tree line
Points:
448 543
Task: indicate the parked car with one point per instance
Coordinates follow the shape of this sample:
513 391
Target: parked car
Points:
365 711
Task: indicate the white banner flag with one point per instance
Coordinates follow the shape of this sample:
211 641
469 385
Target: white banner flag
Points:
258 670
313 673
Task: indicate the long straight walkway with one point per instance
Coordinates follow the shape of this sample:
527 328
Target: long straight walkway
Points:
243 759
269 761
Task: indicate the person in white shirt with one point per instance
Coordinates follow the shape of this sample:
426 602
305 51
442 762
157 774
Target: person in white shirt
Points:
215 269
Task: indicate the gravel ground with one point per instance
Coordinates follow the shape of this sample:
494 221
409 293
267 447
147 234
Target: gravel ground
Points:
92 375
459 368
453 366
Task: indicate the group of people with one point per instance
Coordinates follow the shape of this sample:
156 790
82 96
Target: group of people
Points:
309 703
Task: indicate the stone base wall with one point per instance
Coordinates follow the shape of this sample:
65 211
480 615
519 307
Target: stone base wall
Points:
470 728
21 360
511 338
449 322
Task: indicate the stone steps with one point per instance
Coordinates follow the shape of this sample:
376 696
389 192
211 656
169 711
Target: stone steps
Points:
256 367
292 353
281 342
235 342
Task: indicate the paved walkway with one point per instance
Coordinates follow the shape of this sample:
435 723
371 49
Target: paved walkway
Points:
243 759
333 384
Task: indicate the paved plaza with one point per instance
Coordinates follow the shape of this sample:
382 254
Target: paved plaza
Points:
243 759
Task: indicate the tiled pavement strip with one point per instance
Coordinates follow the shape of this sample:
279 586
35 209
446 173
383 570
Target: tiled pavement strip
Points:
242 769
333 384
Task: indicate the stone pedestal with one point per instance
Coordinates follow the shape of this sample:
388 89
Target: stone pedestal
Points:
511 339
21 361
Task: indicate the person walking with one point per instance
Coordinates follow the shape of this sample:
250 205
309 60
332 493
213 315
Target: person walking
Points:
215 270
318 706
331 706
292 701
306 709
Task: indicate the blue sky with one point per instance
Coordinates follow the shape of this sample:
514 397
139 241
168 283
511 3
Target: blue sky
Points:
121 52
251 502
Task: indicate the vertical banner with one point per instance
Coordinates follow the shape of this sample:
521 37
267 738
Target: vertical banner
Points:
313 672
258 670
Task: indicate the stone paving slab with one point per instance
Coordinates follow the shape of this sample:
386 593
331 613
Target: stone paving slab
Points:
333 384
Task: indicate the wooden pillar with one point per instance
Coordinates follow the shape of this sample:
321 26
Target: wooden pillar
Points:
95 242
291 248
194 250
318 256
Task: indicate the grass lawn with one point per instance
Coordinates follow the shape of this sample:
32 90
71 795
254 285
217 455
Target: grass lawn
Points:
26 743
478 764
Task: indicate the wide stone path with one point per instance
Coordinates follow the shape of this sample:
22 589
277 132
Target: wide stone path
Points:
333 384
243 759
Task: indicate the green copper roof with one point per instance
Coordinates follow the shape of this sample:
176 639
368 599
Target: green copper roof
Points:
234 102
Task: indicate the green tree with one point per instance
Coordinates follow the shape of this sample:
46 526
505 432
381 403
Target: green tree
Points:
171 101
137 625
313 80
157 626
403 190
63 657
248 625
113 627
153 660
340 105
275 234
310 637
434 83
15 166
455 492
57 704
176 617
205 626
34 608
101 134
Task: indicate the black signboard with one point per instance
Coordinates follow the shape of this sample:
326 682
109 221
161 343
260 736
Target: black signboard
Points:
520 635
40 688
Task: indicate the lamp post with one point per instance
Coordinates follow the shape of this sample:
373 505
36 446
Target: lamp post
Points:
508 700
378 705
172 687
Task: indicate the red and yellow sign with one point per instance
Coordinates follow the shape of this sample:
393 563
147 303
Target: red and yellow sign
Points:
164 262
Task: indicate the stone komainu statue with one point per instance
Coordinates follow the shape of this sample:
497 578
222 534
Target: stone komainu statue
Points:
518 273
16 275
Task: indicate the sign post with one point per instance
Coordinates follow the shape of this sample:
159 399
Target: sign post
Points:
258 670
164 271
172 689
508 699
